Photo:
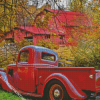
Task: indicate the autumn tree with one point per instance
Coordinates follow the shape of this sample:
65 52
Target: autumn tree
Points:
91 19
78 5
87 52
7 15
13 12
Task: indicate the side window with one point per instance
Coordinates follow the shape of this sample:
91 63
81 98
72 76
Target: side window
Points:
47 56
24 56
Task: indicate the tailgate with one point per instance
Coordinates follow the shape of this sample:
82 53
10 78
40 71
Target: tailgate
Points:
97 81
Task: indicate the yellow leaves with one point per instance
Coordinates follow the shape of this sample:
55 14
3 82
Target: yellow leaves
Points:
7 15
77 5
89 3
23 43
49 44
1 33
51 33
70 39
54 34
31 9
87 54
2 43
65 53
95 8
9 11
82 26
42 21
93 36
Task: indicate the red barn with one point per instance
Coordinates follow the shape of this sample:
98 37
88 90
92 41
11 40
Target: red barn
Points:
57 28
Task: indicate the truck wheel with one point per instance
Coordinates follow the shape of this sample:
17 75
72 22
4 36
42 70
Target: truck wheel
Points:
57 92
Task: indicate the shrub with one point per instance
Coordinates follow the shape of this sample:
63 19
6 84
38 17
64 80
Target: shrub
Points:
4 61
65 55
87 54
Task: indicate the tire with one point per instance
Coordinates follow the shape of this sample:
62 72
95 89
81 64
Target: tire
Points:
0 86
57 91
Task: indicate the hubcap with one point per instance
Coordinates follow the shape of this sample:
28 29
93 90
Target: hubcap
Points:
56 93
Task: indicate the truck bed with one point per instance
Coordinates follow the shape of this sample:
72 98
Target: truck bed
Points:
79 75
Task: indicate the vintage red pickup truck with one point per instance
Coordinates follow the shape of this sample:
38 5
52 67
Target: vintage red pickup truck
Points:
36 73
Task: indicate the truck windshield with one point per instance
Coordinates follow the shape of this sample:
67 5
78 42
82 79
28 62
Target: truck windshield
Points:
24 56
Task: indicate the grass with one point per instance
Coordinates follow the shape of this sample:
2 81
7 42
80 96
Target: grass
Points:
4 95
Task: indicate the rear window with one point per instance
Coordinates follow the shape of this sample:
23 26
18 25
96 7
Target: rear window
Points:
46 56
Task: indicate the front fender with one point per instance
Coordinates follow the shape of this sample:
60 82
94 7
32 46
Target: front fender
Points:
4 82
72 89
1 69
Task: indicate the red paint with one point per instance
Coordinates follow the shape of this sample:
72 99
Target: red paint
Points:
31 78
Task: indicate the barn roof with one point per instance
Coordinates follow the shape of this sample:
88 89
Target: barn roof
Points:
70 18
37 30
66 18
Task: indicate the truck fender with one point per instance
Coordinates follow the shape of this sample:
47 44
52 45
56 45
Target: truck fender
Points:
97 81
2 70
72 89
4 81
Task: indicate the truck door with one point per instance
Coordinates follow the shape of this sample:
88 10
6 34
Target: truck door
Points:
25 79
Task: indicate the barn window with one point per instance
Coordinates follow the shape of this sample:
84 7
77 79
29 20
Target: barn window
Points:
9 40
29 39
62 37
47 36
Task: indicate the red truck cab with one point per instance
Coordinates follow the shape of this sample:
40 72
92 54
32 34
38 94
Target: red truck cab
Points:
36 73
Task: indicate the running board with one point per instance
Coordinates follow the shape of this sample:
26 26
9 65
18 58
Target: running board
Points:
29 94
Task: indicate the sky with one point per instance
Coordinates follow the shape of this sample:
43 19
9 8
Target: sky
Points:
63 3
42 2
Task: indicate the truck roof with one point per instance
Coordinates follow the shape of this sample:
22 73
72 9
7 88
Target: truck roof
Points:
40 49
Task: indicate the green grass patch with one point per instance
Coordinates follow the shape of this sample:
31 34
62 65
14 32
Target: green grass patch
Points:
4 95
